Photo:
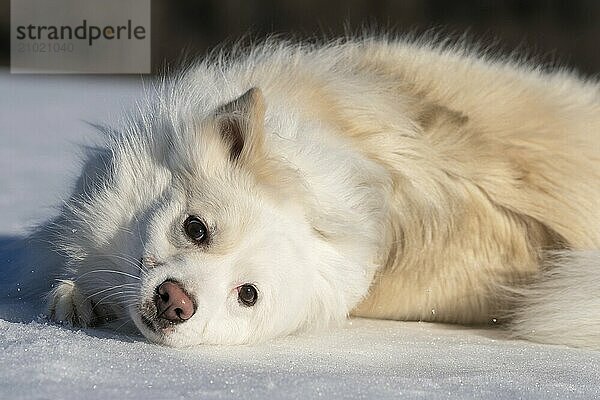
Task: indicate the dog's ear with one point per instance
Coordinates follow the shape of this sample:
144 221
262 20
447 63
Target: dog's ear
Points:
241 124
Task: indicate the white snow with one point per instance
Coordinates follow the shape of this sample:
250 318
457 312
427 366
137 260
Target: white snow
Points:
40 127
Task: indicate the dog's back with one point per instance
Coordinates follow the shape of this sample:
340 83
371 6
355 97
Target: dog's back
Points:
496 193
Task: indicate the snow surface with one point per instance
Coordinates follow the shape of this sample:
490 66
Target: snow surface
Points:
40 128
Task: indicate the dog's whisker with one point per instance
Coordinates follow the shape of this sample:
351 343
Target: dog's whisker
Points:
131 261
126 321
137 263
111 288
110 271
107 297
139 232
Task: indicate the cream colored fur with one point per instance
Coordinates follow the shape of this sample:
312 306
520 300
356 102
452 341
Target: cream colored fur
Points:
387 179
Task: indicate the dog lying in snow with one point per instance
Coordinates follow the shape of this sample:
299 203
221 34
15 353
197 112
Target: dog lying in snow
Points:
284 187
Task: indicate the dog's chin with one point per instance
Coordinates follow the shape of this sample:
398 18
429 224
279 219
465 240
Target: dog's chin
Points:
160 332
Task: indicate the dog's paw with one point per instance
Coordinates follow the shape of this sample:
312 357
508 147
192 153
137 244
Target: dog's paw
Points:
68 306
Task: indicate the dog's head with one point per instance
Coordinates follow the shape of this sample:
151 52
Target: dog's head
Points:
196 234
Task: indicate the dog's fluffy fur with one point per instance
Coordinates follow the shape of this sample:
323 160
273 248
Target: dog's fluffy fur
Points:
375 178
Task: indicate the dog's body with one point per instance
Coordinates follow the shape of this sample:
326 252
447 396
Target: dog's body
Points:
378 178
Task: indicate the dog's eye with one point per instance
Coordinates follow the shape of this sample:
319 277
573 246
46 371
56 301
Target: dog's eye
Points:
247 295
195 229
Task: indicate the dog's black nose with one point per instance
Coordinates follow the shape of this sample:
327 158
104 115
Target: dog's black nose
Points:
172 303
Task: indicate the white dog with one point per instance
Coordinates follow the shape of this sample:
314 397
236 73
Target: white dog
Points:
284 187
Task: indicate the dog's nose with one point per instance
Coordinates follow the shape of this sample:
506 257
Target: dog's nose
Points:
172 303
